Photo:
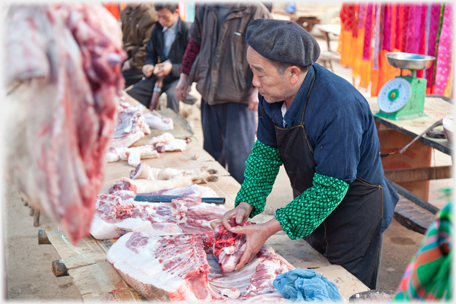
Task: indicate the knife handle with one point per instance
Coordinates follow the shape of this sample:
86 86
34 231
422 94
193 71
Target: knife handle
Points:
213 200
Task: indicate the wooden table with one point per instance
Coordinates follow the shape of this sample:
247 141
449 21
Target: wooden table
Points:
411 171
97 280
327 29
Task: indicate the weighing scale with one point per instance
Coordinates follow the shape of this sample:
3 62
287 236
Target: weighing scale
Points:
402 98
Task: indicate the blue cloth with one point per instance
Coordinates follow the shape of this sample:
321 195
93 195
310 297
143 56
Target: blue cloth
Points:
291 7
341 130
306 285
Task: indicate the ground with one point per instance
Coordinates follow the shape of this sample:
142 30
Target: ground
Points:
29 264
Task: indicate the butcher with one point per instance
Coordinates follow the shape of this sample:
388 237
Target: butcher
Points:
322 130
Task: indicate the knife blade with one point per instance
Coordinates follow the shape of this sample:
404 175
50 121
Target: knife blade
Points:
169 198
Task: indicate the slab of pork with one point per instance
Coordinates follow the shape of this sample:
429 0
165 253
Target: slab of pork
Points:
63 68
181 268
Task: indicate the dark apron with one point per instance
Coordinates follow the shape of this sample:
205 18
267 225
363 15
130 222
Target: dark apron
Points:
351 235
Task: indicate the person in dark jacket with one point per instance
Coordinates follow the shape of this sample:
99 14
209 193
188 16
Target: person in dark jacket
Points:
164 52
216 60
138 20
322 130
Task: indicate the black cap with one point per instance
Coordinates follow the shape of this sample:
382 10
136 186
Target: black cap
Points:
283 41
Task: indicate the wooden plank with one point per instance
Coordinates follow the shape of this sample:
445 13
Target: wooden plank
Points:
100 277
418 174
412 216
347 283
87 252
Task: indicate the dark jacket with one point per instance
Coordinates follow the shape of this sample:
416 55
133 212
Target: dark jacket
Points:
221 70
155 48
136 29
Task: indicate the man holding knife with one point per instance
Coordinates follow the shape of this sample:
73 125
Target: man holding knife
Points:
322 130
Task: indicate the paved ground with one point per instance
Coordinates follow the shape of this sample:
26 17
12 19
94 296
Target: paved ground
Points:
29 265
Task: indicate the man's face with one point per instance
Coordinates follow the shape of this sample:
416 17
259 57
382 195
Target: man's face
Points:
166 17
271 85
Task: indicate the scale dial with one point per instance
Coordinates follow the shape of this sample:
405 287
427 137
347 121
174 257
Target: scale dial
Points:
394 95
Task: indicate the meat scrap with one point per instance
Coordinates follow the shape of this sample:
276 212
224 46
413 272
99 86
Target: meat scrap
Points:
157 121
189 191
182 268
198 175
131 126
229 246
132 155
64 63
148 179
166 142
115 217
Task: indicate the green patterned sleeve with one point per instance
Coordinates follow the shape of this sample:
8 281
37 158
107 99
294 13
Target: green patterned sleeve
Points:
262 167
307 211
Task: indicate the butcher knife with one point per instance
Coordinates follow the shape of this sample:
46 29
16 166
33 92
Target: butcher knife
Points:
169 198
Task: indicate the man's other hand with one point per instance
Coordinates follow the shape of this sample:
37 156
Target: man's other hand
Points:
147 70
163 69
256 236
182 87
240 214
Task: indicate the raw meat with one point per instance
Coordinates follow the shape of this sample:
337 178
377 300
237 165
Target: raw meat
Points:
130 127
181 268
163 269
229 246
172 146
64 63
192 191
175 179
157 121
163 138
133 155
198 175
144 185
166 142
115 217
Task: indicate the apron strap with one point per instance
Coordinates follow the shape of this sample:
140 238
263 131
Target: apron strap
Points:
307 98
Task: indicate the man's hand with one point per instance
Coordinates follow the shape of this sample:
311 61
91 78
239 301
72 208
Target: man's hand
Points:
126 65
163 69
182 87
256 236
147 70
240 214
253 100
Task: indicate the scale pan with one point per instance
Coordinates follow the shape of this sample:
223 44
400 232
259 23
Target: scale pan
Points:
409 61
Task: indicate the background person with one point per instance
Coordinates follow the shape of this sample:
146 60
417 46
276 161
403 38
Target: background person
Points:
224 80
164 52
138 20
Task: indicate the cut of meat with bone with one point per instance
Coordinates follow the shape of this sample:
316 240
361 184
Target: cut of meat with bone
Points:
165 269
129 129
229 246
133 155
64 63
198 175
143 185
163 138
172 146
115 217
179 268
192 191
157 121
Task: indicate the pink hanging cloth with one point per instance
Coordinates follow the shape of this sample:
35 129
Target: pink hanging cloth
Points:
367 33
444 58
